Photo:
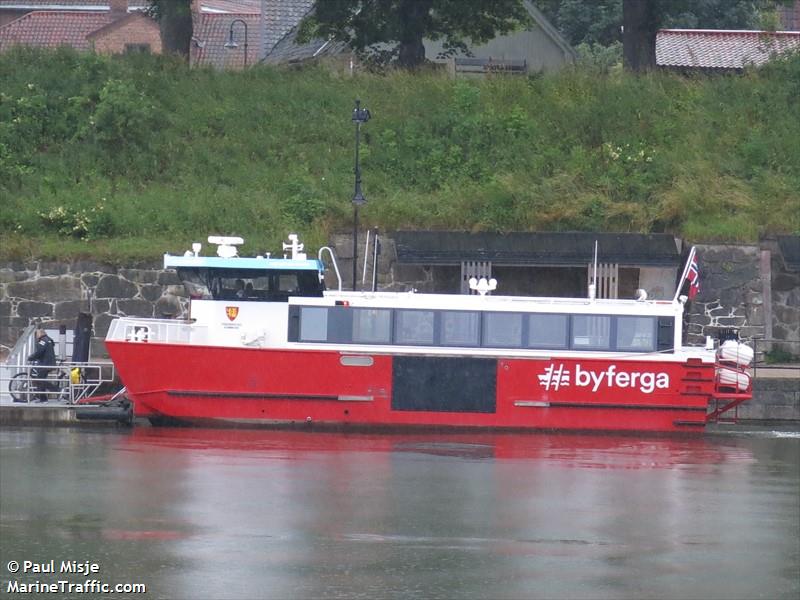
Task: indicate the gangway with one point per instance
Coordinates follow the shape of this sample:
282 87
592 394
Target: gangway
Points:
68 382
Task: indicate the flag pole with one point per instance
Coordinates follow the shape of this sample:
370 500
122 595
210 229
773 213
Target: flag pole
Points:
685 273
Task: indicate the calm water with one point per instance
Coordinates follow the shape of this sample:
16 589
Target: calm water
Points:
251 514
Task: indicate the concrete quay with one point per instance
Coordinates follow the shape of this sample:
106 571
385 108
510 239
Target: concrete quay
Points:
55 415
45 414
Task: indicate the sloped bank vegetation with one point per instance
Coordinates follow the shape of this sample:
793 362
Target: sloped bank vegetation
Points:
127 157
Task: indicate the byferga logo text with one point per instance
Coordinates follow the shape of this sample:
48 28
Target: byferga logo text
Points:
556 377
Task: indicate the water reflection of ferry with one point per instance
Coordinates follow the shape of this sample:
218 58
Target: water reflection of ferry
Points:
603 451
266 344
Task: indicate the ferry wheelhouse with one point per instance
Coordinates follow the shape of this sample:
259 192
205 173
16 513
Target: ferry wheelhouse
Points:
266 344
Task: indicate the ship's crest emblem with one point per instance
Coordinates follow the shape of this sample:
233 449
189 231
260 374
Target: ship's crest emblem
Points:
232 312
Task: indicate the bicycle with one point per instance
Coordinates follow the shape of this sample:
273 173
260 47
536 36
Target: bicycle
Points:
22 385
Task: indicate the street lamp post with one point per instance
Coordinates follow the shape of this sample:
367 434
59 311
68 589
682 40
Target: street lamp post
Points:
230 44
360 115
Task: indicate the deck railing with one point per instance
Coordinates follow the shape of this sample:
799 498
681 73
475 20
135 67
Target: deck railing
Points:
166 331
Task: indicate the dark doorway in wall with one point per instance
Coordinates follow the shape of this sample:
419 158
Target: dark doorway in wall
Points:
553 282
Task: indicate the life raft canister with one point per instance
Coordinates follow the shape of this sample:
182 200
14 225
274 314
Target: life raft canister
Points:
735 352
734 379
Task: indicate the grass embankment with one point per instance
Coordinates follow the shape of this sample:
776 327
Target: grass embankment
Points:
127 157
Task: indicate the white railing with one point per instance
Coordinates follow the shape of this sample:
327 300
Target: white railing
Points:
67 382
22 348
164 331
333 260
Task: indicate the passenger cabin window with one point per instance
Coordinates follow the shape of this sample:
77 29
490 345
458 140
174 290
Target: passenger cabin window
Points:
460 328
591 332
548 331
503 330
637 334
414 327
372 325
437 328
313 324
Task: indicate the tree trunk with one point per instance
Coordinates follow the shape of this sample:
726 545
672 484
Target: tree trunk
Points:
176 26
412 54
640 25
412 50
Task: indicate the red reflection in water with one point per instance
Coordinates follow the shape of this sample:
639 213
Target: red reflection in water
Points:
130 534
571 450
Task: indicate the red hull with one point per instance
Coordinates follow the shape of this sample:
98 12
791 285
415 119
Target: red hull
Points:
195 384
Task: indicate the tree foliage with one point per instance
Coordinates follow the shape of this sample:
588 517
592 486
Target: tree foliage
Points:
392 31
600 22
585 21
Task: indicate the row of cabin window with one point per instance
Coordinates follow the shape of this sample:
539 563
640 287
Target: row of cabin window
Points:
475 329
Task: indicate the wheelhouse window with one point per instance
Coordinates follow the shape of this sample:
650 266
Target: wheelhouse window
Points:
460 328
636 334
502 330
372 325
313 324
547 331
249 284
287 282
591 332
414 327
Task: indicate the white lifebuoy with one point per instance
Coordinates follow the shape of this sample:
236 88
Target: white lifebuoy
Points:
735 352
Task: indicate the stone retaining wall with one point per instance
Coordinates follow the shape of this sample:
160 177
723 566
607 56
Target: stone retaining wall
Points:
731 294
747 288
785 303
54 293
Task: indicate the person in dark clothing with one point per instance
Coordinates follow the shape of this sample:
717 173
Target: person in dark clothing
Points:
45 356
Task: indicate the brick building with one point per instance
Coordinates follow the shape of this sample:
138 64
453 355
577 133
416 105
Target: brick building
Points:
113 27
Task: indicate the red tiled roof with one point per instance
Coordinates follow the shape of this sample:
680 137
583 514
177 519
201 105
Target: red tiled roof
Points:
111 25
49 29
721 49
231 6
210 33
74 4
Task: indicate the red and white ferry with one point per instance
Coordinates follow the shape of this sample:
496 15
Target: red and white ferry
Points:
266 344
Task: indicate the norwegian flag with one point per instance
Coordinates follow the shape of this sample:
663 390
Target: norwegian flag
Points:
693 275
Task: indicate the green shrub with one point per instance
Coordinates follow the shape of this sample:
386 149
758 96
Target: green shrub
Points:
83 223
